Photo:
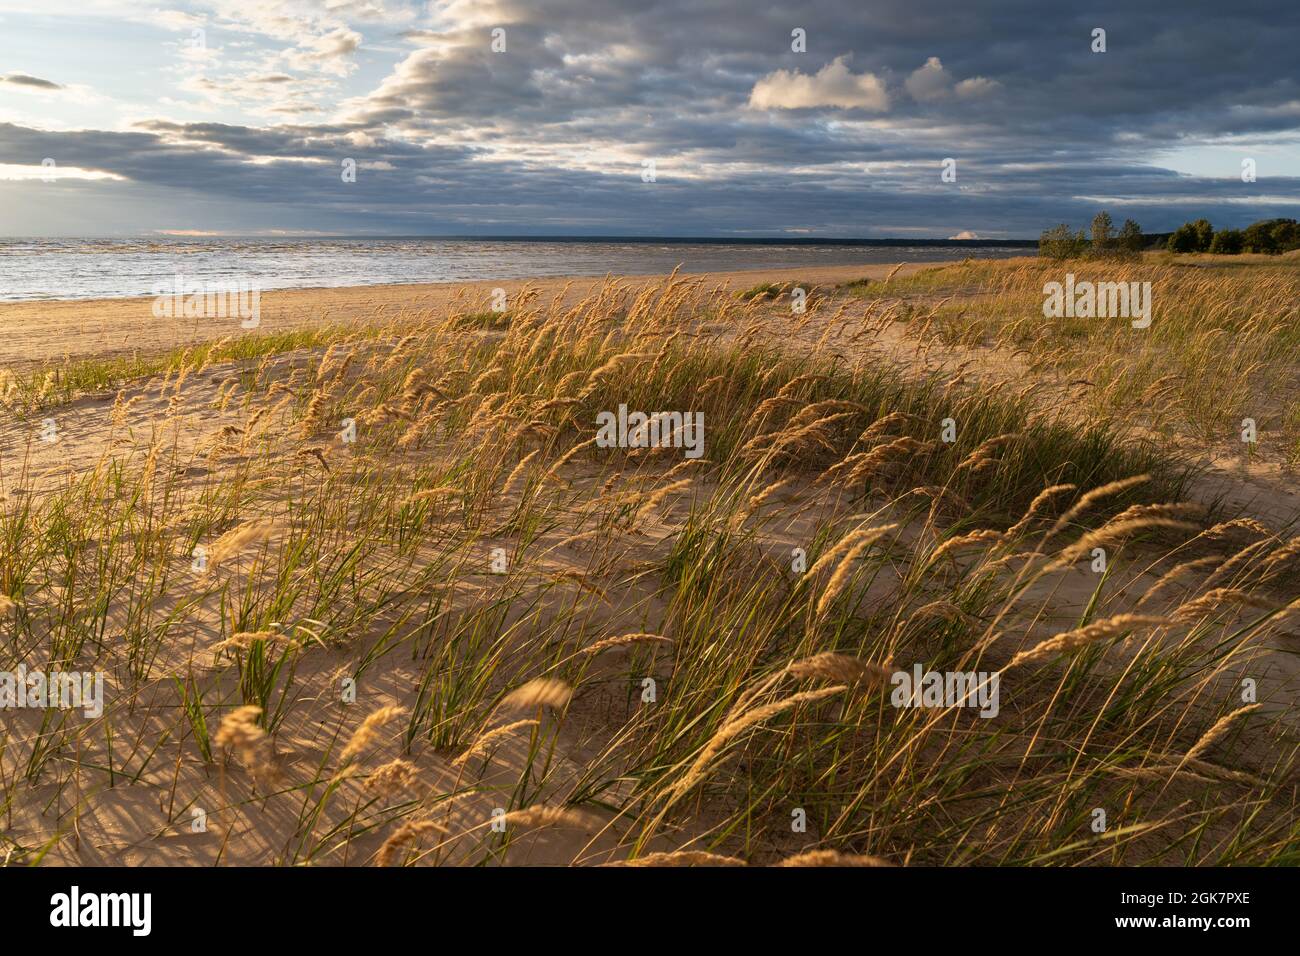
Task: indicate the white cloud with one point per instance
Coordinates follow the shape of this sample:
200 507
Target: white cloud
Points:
330 53
833 85
178 20
976 87
14 172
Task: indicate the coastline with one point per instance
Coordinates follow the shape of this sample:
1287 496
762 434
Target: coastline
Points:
245 450
53 330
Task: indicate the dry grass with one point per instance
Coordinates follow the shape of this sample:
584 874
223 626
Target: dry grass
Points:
1223 345
475 636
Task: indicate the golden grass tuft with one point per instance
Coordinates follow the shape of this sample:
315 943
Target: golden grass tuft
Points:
1070 642
539 692
833 858
369 728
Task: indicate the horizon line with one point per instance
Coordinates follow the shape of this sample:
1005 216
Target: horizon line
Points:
518 237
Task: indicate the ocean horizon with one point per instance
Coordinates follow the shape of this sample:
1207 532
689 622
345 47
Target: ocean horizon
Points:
105 268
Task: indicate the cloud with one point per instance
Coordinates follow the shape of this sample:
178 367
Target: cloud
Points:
831 86
929 82
549 136
33 82
976 87
15 172
330 52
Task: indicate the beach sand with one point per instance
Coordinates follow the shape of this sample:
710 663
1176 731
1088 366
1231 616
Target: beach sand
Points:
52 331
122 825
56 331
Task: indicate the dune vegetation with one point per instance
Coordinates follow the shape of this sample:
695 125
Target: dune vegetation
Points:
381 595
1224 343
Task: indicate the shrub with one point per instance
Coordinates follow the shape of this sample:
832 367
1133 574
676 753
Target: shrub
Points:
1286 234
1183 239
1060 243
1130 239
1227 242
1204 234
1103 239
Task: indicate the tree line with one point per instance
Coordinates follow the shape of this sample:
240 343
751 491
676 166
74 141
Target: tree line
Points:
1268 236
1060 242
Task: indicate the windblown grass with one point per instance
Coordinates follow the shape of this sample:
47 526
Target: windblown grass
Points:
1223 345
474 636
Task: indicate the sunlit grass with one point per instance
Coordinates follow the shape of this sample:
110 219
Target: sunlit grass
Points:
495 591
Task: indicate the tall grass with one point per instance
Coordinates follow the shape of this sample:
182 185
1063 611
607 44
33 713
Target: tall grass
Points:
473 626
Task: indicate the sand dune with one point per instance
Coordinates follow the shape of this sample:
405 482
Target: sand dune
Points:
699 645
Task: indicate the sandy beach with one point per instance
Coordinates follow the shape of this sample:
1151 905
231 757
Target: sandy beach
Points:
465 437
384 509
55 330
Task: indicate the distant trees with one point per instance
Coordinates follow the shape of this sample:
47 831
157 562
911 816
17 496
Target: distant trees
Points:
1271 236
1228 242
1060 242
1286 233
1258 237
1192 237
1130 238
1183 239
1102 240
1268 236
1204 234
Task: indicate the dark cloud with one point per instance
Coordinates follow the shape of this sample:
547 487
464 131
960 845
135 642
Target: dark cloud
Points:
22 79
548 136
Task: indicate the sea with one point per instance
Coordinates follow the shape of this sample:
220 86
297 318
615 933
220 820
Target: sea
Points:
113 268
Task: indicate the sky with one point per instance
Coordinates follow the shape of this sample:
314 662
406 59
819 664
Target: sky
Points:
835 118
